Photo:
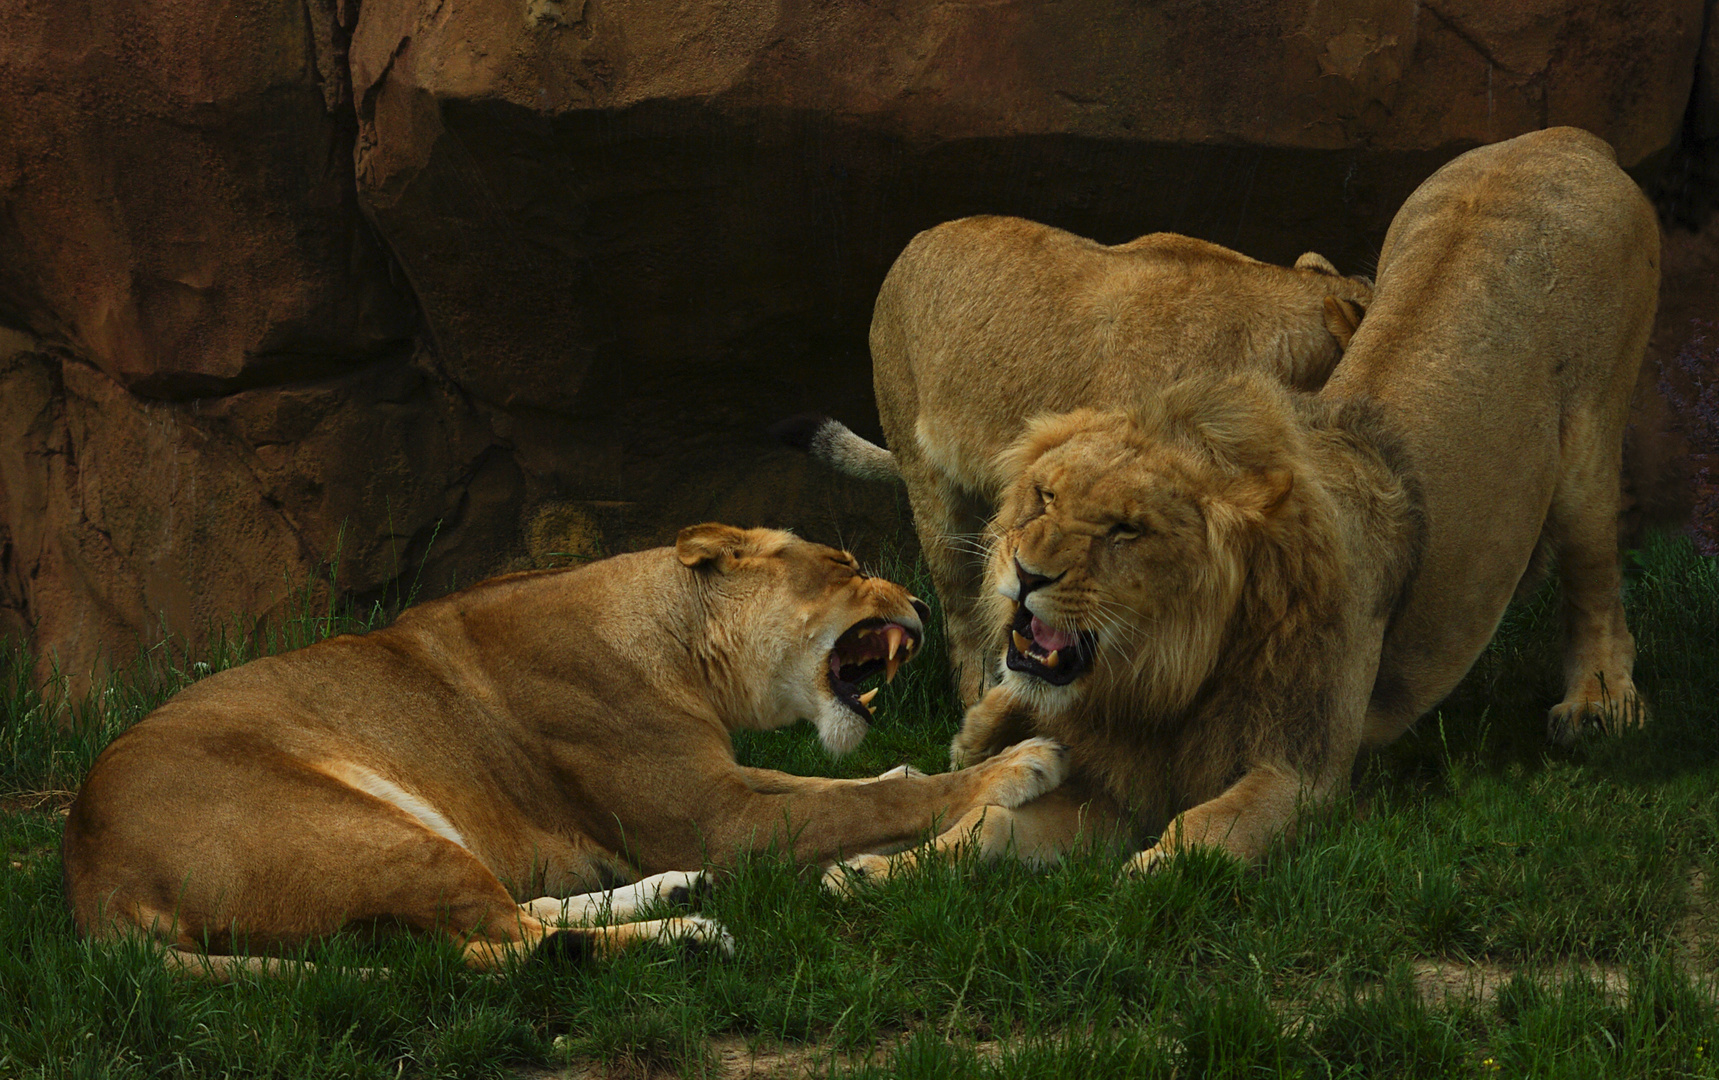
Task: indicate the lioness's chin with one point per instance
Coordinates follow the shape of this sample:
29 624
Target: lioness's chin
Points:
839 729
864 649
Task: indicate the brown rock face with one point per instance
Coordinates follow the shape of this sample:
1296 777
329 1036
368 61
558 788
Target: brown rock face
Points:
460 285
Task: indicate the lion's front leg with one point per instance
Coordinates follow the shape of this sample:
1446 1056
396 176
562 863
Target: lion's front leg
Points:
1242 821
998 721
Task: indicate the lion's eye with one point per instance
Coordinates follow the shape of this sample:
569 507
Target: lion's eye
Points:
1122 530
1046 497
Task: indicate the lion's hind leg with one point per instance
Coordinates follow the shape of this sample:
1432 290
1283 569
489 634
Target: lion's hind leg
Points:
1599 652
618 907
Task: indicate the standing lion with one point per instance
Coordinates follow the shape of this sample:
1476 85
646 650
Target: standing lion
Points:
1219 596
986 322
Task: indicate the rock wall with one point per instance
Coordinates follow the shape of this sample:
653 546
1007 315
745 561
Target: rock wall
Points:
449 287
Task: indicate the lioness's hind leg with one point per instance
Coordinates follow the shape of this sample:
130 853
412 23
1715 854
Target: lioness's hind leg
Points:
1599 653
693 932
619 905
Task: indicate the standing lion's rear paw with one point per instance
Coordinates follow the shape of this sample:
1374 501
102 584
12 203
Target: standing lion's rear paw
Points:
1568 720
1025 771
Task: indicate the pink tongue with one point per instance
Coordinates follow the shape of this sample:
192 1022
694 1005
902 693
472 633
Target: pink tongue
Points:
1049 638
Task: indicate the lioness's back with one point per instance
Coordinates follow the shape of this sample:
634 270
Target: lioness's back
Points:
984 322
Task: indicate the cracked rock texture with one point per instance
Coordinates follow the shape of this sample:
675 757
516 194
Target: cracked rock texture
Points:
445 287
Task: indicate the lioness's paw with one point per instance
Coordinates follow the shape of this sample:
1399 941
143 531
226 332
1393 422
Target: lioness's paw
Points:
1025 771
847 877
683 886
1569 719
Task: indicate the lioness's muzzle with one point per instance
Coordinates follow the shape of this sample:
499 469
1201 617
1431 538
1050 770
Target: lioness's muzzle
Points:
867 647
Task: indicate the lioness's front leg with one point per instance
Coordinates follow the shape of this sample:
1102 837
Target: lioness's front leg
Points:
822 819
1040 832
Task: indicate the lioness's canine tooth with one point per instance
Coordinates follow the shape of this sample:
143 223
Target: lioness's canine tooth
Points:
893 636
1053 659
889 668
1021 642
865 698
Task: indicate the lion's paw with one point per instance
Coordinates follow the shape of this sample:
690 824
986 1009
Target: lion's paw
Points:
848 876
1025 771
1569 719
1150 861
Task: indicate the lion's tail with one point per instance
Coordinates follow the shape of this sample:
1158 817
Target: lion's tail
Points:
832 443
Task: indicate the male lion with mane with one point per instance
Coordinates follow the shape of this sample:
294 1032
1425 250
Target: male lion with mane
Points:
986 322
1218 597
526 739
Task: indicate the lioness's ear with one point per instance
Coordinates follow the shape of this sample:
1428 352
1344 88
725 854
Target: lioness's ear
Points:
711 542
1342 318
1264 492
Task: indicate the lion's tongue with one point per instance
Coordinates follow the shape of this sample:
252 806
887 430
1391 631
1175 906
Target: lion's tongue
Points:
1049 638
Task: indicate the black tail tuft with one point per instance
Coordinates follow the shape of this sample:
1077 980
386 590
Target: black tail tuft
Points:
799 430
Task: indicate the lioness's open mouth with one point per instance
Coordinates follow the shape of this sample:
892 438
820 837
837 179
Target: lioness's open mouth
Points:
1038 649
868 647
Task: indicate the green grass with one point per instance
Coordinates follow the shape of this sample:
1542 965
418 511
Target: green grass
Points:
1578 883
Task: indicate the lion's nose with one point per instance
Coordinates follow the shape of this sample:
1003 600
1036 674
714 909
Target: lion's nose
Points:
922 608
1029 581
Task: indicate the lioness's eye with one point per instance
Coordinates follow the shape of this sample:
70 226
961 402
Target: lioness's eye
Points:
1124 531
1046 497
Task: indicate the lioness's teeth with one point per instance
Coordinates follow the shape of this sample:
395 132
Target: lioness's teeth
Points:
893 636
865 698
889 667
1021 642
1053 659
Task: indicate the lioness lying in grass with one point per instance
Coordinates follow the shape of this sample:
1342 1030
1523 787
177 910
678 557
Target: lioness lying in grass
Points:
527 739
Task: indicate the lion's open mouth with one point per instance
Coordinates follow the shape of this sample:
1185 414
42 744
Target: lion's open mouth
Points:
1038 649
868 647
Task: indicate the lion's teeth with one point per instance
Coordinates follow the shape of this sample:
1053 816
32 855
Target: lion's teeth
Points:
1021 642
865 698
1053 659
889 669
893 636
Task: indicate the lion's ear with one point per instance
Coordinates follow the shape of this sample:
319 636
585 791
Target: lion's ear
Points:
1342 318
1264 492
698 545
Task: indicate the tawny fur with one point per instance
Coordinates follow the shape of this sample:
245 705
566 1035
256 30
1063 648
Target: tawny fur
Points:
1313 573
985 322
524 740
